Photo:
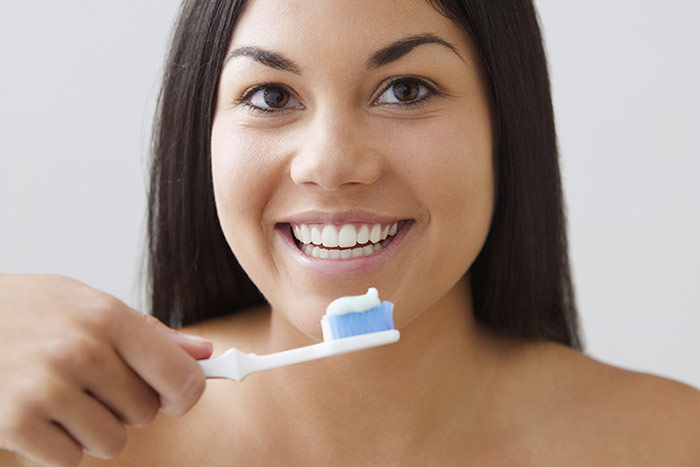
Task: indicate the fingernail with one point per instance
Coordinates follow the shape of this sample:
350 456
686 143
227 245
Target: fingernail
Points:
169 411
194 338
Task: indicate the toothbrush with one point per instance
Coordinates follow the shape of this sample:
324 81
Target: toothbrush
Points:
350 324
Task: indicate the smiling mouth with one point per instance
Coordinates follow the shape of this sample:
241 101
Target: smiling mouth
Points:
344 241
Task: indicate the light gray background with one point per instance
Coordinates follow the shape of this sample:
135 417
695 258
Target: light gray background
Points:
77 91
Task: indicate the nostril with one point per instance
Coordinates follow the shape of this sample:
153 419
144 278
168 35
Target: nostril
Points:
335 169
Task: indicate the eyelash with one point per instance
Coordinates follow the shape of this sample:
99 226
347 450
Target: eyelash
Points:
431 92
244 100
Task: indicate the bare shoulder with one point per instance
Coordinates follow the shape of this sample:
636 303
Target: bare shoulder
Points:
668 411
636 417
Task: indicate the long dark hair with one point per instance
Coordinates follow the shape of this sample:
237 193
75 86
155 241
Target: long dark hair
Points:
521 280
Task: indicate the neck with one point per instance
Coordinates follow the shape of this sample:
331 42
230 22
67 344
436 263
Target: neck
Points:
401 392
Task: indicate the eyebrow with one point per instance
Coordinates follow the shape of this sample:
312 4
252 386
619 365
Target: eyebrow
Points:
383 56
398 49
266 57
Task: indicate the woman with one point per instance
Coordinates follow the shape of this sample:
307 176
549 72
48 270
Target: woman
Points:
275 117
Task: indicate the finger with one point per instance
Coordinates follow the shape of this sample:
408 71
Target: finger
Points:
164 366
47 443
196 346
122 390
90 423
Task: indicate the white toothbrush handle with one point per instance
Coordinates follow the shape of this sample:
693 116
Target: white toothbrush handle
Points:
236 365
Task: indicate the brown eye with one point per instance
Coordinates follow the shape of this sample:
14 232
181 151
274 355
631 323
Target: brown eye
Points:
276 98
406 92
270 98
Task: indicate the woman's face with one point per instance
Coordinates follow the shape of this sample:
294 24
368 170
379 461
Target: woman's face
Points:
341 124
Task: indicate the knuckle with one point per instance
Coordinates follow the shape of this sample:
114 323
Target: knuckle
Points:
115 444
54 394
193 388
150 319
61 281
24 408
152 322
69 457
105 312
61 278
144 411
110 317
75 352
147 412
14 427
187 394
109 440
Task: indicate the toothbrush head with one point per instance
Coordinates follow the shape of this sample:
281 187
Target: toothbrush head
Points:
356 315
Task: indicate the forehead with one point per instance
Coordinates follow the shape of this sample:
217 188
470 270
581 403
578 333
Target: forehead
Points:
339 31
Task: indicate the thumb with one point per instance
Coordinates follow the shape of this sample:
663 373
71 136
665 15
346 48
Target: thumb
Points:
198 347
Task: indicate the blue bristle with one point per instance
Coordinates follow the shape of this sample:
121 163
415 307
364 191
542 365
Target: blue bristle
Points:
379 318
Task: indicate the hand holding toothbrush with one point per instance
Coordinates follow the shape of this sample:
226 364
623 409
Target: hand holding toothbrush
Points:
77 365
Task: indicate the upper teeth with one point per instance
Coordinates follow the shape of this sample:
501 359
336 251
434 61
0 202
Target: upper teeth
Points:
343 236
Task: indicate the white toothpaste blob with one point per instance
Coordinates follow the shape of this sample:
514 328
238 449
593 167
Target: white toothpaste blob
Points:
343 305
349 304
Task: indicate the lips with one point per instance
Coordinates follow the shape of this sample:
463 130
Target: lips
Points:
361 258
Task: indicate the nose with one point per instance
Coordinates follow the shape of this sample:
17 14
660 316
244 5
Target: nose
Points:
335 151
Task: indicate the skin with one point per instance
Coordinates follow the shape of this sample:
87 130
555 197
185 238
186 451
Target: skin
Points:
450 390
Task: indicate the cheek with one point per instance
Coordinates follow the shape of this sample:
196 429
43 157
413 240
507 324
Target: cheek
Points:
467 186
450 166
243 178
